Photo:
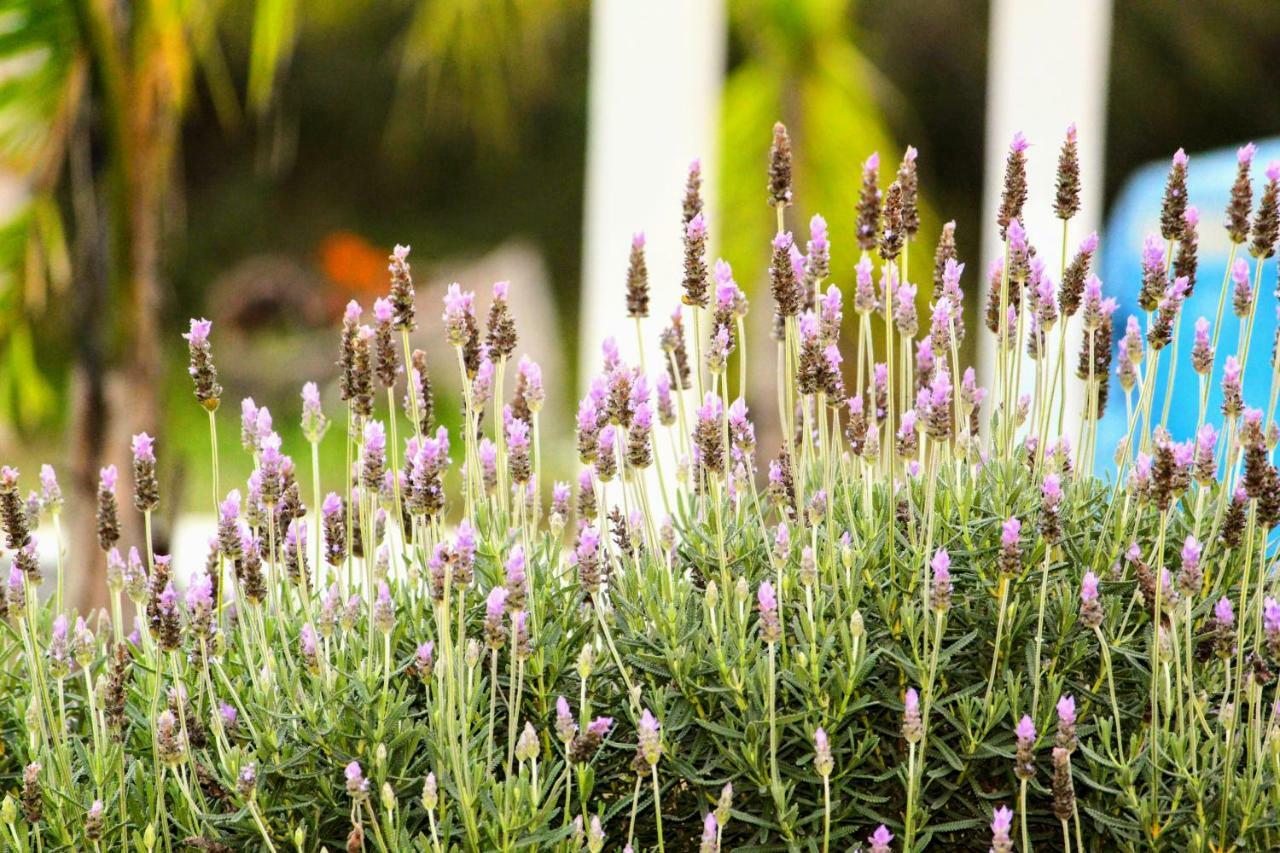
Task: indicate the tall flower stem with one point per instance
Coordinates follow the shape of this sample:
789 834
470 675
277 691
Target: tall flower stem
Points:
1044 588
909 819
1111 681
1156 664
213 456
657 806
826 814
1022 814
995 655
318 535
770 691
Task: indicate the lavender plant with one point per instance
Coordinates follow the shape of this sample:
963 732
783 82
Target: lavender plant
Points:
919 621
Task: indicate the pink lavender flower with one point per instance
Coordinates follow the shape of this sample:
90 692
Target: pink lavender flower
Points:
200 594
881 839
912 723
199 334
767 600
50 493
496 604
1017 238
1189 575
1024 760
17 588
1232 393
952 270
1001 825
1154 272
1271 624
710 842
941 595
924 356
424 658
495 611
1066 711
249 424
1052 491
1010 532
143 447
817 235
1096 308
904 315
357 785
529 379
718 352
309 646
488 457
566 728
201 368
1242 292
1026 729
384 609
459 314
314 423
822 760
560 498
482 384
649 738
1224 612
864 298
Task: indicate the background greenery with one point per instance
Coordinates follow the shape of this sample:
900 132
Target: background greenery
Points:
458 125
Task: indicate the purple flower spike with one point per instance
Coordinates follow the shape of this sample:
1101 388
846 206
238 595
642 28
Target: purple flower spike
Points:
768 600
1010 531
199 334
357 785
1271 617
1067 710
200 593
1089 587
1225 613
1001 825
496 603
1026 729
229 509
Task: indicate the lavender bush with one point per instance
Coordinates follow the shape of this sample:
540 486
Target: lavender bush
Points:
925 623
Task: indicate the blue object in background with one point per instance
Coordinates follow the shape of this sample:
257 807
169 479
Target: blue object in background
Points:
1137 214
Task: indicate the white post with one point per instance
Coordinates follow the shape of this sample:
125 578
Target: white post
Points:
656 73
1047 68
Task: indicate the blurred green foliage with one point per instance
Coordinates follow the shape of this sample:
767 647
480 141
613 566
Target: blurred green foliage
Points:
456 124
796 61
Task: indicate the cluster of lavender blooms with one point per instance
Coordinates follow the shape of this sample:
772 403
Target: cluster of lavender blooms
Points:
915 619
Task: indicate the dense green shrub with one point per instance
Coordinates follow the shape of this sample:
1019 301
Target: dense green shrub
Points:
907 633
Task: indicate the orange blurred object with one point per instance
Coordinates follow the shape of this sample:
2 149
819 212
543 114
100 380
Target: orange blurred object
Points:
354 265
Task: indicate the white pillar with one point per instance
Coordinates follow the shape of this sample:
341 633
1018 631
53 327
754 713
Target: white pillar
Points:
1047 68
656 73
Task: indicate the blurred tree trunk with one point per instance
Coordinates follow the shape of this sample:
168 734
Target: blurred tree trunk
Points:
117 376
